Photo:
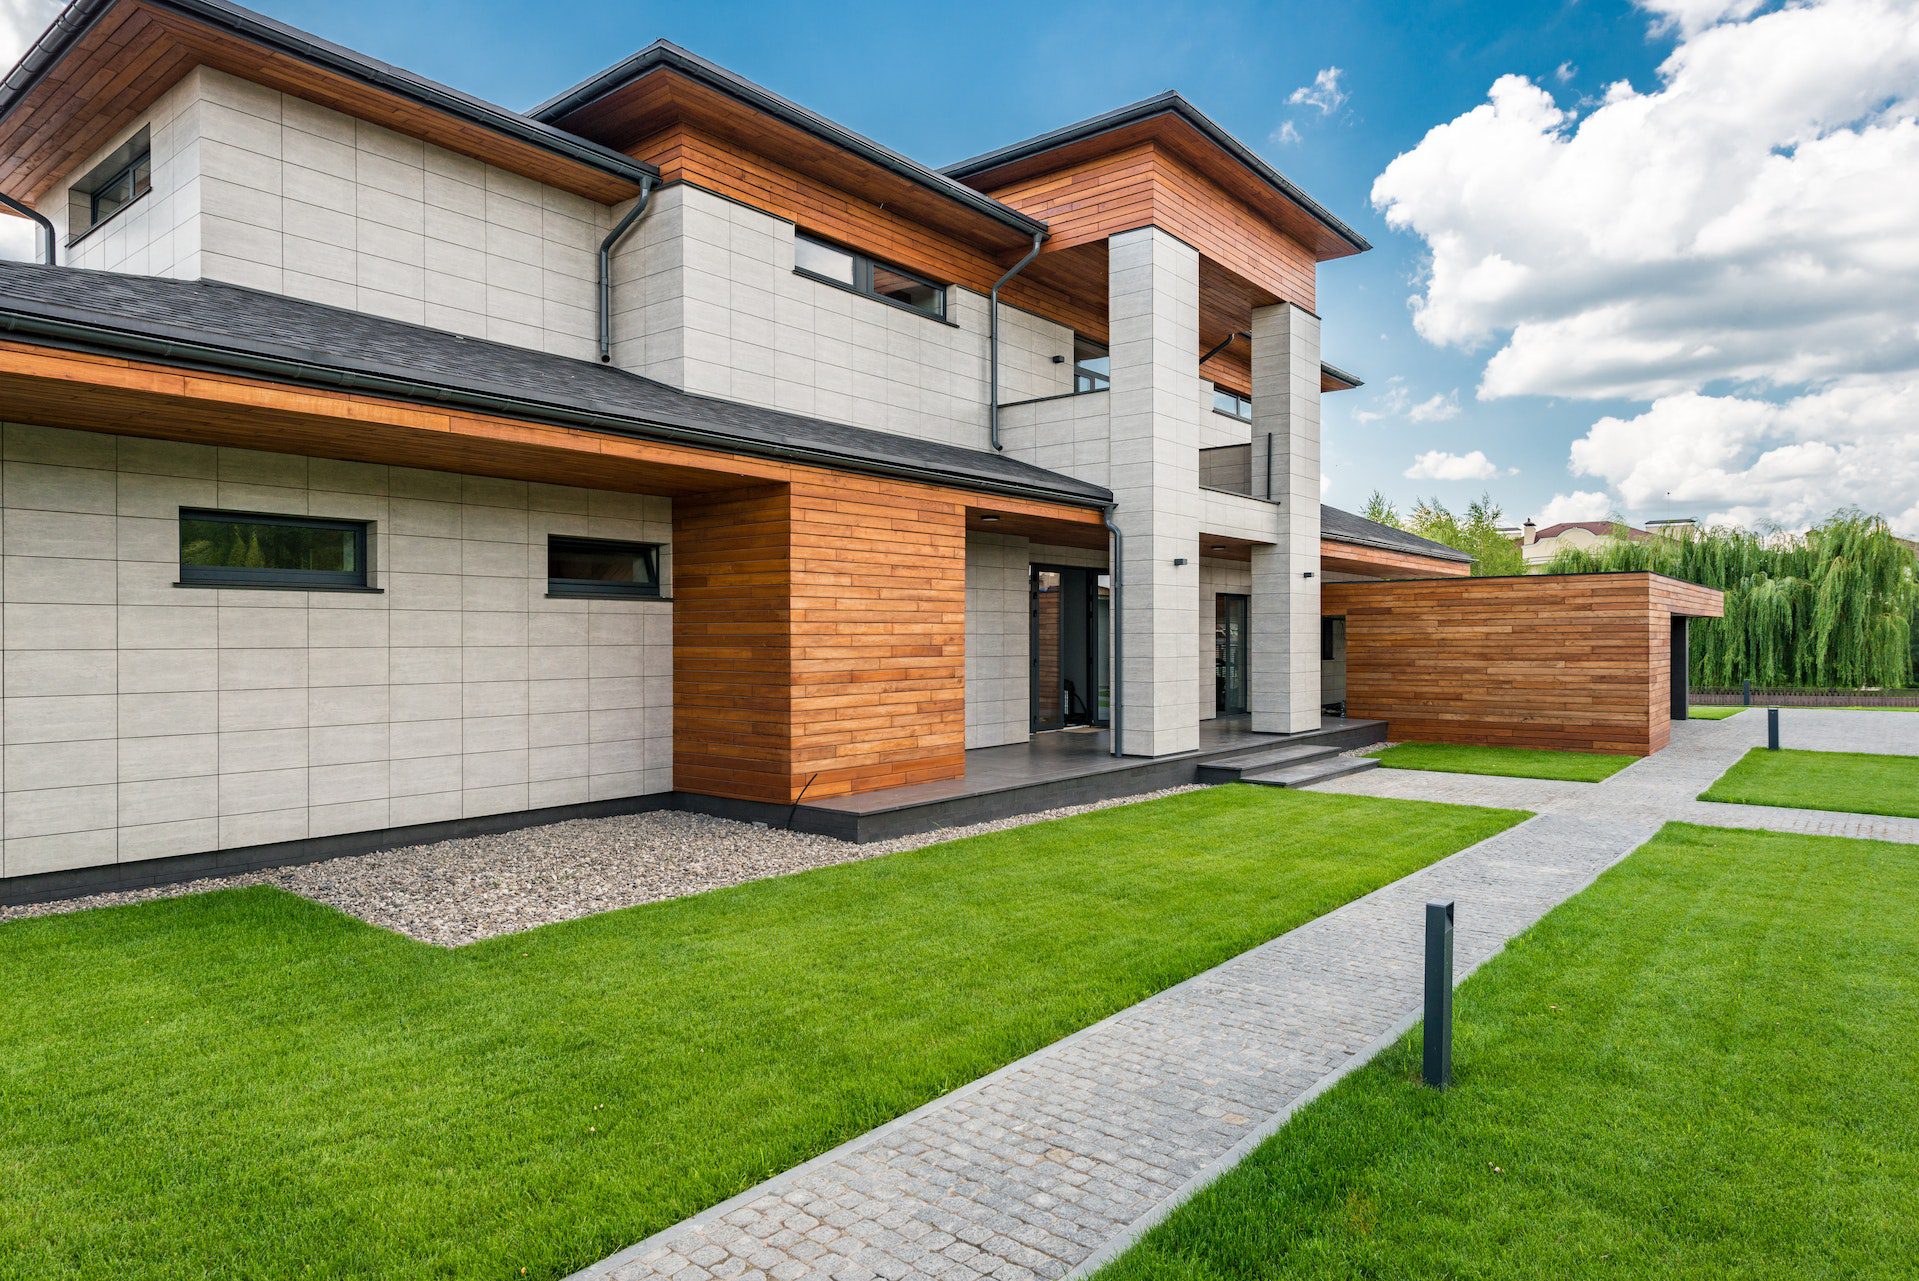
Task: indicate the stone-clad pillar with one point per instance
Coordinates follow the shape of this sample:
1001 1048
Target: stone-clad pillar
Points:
1284 612
1153 306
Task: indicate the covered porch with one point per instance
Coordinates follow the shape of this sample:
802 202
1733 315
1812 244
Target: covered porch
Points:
1055 769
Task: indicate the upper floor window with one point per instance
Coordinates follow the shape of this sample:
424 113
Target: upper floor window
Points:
110 186
1092 365
868 276
247 549
601 567
1232 404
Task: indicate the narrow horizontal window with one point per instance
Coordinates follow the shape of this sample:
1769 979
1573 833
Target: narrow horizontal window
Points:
246 549
1232 404
601 567
868 276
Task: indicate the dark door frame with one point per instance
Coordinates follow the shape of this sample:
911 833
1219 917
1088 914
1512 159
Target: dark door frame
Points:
1244 603
1090 624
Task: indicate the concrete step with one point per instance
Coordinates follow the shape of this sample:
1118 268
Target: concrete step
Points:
1317 771
1231 769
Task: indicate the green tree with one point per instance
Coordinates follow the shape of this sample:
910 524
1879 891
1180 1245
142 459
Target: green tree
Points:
1477 533
1381 512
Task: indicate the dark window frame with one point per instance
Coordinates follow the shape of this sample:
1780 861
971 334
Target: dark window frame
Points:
862 283
590 588
236 576
1239 402
132 162
1092 379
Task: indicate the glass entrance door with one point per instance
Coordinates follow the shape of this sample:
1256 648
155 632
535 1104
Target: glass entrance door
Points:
1229 654
1070 632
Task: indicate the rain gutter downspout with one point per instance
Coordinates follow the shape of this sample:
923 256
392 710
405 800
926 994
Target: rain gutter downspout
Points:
648 185
992 343
26 212
1117 560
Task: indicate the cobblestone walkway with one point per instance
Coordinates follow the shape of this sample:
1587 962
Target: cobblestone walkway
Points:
1054 1163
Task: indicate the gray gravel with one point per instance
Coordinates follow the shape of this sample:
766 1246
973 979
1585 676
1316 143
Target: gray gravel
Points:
454 892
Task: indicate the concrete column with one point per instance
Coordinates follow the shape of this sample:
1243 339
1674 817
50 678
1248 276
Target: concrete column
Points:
1284 621
1153 302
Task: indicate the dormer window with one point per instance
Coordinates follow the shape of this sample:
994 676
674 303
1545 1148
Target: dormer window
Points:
833 265
111 186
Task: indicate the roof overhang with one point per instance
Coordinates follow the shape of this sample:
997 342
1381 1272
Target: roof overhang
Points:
1333 378
663 85
336 376
1168 120
103 62
1342 557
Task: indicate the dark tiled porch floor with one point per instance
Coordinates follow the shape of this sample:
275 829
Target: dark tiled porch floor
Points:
1056 756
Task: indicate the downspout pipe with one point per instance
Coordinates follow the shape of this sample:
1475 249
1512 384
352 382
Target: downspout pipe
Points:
648 185
1223 344
26 211
1118 562
992 342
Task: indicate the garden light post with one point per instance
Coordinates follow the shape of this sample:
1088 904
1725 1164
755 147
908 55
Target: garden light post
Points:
1772 729
1439 995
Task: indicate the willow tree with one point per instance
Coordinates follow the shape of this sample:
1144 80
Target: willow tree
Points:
1834 606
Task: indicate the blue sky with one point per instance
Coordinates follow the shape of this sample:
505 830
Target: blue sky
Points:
1647 257
942 82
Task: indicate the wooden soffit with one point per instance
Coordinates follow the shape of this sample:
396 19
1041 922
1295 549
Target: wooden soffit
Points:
664 100
1022 182
132 51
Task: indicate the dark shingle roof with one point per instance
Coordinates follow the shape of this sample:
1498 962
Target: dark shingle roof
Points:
230 327
1344 527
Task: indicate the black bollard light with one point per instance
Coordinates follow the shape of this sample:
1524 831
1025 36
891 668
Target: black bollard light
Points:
1772 729
1748 693
1439 995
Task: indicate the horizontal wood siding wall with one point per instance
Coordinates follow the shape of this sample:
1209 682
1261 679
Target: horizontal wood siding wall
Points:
732 644
879 636
1576 661
819 634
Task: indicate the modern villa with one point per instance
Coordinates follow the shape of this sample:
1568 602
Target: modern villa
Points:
381 464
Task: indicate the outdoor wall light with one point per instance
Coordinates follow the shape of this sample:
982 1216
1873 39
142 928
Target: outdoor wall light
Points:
1307 574
1178 561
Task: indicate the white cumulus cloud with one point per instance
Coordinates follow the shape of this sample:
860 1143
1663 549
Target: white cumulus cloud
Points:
1323 95
1395 400
1583 504
1436 464
1741 233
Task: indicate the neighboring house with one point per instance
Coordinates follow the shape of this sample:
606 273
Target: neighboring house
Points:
1540 545
379 460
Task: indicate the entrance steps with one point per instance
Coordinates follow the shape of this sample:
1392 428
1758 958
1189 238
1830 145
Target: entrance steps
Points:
1289 765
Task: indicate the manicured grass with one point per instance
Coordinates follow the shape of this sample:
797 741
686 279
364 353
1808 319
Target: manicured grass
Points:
1852 782
1712 713
1701 1067
1506 762
244 1083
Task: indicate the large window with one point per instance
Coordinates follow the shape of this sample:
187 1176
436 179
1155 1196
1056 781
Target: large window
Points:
600 567
1232 404
110 186
864 275
1092 365
246 549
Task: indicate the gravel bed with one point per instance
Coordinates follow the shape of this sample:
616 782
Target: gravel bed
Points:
460 891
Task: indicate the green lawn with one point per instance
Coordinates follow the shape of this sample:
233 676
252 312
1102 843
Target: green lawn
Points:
1712 713
244 1083
1506 762
1702 1067
1852 782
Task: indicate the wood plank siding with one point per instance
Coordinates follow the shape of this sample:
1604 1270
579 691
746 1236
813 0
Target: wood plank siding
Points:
135 52
1576 661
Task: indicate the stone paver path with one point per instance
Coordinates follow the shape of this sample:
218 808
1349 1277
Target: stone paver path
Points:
1054 1163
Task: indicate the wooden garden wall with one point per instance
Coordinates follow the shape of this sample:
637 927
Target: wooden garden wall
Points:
1578 661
